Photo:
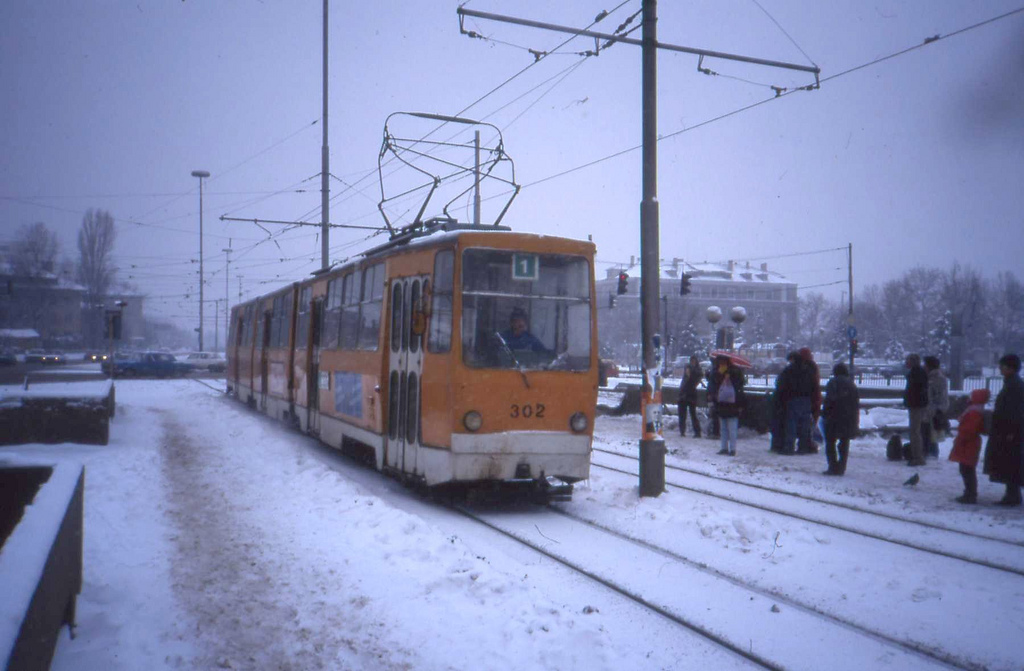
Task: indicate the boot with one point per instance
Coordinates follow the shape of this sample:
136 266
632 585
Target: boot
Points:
967 497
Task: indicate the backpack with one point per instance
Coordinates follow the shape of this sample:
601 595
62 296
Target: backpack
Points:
894 449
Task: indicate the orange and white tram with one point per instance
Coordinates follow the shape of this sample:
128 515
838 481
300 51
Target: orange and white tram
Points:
465 356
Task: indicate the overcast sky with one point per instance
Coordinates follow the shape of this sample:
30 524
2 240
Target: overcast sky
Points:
916 160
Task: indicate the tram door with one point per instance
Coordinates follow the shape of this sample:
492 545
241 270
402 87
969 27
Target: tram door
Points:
405 365
264 357
313 377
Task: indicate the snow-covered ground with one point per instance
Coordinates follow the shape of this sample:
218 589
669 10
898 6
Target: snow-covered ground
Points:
215 538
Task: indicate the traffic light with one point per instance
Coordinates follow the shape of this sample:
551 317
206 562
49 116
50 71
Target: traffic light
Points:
623 283
684 285
853 345
611 301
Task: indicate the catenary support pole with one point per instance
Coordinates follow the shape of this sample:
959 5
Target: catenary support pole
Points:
325 172
652 444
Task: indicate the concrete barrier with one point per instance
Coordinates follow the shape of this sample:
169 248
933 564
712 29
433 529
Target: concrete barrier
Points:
41 509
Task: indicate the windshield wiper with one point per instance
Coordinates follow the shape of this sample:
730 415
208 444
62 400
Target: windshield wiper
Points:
519 366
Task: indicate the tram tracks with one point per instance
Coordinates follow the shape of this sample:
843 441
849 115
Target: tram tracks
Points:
983 550
706 601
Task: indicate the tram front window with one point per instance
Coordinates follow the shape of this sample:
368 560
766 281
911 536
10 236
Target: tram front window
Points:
526 311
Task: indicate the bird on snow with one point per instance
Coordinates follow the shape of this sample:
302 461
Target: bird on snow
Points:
913 480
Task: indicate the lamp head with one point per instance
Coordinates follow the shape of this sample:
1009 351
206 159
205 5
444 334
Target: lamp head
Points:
200 173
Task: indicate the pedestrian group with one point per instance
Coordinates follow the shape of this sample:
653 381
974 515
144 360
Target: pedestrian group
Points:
801 416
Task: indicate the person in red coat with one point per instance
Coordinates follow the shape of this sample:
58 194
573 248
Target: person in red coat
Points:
967 444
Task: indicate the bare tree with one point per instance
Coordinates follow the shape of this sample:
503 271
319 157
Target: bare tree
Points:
95 246
34 251
1007 312
814 312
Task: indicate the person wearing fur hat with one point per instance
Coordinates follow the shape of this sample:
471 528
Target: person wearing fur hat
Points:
915 398
842 417
1006 437
938 404
967 444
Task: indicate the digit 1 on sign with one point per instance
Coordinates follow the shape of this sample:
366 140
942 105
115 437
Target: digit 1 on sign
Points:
524 266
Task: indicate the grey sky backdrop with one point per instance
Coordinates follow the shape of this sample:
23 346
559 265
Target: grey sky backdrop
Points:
916 160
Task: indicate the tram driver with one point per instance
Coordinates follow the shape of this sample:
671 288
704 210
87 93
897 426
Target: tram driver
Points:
518 337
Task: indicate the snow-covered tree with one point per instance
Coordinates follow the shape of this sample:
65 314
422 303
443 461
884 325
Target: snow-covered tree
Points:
895 351
690 342
938 337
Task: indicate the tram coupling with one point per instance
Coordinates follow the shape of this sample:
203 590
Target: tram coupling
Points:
550 488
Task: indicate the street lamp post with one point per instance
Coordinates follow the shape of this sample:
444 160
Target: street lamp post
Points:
201 174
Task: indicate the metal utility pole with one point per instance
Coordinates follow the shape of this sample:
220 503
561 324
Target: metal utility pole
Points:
476 177
652 445
216 323
325 172
239 288
851 329
227 296
201 174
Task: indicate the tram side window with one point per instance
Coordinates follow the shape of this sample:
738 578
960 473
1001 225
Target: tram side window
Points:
350 312
439 338
247 327
286 319
302 320
372 299
276 321
332 315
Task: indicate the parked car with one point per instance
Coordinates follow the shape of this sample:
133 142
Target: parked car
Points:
34 355
8 359
42 356
147 364
606 368
207 361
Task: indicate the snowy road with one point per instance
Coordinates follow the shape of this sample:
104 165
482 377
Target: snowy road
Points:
217 539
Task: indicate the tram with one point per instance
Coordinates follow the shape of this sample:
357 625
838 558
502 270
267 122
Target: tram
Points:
453 355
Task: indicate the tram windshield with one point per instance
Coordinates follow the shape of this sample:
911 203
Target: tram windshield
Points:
525 311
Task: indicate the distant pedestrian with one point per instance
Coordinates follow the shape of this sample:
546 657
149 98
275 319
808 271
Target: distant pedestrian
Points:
692 376
713 423
938 404
729 400
915 398
1003 451
967 444
796 390
813 375
842 417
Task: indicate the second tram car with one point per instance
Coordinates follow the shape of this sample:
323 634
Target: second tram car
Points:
464 356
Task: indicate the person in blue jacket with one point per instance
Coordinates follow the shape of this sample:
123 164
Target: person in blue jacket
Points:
518 337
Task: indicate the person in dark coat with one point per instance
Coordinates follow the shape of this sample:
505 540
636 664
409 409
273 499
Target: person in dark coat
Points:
713 423
1003 451
729 401
796 391
915 398
688 396
841 411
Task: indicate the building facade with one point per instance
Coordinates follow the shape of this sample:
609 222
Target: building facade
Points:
768 298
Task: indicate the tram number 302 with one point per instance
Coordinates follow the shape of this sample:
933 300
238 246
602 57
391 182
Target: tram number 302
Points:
527 411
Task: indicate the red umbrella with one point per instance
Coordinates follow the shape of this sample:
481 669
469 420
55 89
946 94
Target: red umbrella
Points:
736 359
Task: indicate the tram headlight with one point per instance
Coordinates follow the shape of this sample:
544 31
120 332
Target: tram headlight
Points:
578 422
472 420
